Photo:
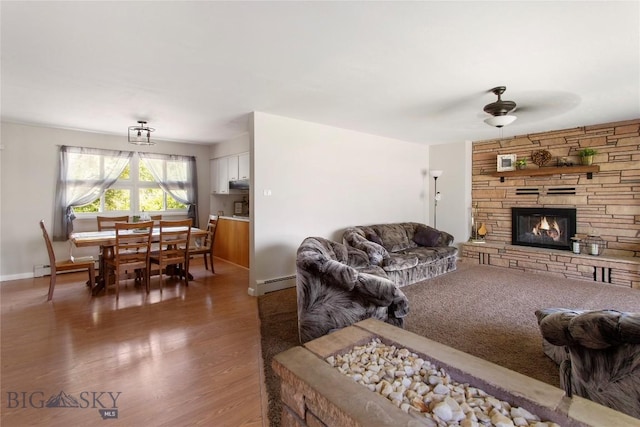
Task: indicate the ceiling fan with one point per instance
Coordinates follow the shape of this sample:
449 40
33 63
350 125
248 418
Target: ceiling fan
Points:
500 109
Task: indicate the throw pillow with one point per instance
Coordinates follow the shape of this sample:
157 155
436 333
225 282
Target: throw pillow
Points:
426 236
372 237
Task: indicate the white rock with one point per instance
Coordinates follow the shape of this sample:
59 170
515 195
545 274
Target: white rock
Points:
386 389
457 416
499 420
521 412
423 389
434 379
394 395
520 421
443 411
469 423
494 402
441 389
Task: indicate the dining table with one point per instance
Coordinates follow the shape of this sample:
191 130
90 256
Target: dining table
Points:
106 239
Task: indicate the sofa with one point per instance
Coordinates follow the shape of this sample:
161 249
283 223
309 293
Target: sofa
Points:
598 352
337 286
408 252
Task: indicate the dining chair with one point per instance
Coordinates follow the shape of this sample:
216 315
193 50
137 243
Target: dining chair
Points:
109 222
206 248
131 252
173 249
65 265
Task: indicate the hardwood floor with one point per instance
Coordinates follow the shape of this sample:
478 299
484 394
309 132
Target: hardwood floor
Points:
190 356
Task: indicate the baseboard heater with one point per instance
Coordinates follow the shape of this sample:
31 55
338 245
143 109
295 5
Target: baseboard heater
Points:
275 284
275 280
40 270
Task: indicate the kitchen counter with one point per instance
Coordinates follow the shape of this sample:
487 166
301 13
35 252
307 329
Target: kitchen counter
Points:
235 218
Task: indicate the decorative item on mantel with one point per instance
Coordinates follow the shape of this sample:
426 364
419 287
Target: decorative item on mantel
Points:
540 157
506 162
482 231
575 244
474 225
564 161
521 164
586 156
594 245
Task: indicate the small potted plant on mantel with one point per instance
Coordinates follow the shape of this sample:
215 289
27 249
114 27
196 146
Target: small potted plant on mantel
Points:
521 164
586 155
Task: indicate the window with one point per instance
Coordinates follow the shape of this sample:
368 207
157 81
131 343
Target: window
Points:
134 191
95 181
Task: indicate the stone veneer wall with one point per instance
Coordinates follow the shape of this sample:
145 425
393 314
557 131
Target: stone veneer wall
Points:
607 205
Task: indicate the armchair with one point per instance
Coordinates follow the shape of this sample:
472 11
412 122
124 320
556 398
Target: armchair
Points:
598 352
336 287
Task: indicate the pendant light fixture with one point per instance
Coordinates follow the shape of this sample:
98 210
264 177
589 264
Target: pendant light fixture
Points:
141 134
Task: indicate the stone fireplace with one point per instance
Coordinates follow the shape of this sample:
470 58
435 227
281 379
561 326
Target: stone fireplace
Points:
550 228
605 197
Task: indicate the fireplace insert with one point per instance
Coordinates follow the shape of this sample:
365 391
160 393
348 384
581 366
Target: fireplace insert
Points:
543 227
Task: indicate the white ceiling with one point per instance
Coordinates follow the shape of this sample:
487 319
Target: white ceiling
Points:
416 71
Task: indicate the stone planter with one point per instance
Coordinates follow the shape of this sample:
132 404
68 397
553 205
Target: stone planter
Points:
315 394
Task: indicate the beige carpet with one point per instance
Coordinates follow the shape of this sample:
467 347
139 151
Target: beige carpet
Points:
485 311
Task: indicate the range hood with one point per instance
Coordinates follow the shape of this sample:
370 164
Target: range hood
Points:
242 184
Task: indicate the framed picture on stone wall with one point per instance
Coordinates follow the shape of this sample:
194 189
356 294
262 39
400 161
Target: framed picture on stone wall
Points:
506 162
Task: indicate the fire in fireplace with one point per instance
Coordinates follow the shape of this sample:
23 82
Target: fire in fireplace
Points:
543 227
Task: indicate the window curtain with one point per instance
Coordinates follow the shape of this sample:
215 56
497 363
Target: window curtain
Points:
179 179
84 174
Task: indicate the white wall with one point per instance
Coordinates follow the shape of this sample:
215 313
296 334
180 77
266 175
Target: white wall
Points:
29 162
323 179
454 208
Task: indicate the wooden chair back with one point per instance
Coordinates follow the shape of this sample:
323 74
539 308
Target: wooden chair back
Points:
174 240
47 240
64 265
131 251
109 222
132 244
173 246
206 248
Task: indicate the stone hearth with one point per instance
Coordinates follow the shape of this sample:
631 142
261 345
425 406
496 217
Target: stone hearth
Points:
610 270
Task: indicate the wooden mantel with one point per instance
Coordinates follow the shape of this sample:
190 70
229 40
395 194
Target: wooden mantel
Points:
589 170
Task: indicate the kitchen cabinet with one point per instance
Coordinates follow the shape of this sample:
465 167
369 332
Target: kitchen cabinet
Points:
244 166
232 164
232 241
220 176
229 168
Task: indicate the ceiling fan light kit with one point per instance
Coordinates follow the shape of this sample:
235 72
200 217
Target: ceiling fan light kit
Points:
499 121
500 109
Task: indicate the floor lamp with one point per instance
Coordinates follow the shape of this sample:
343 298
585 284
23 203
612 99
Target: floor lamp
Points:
435 174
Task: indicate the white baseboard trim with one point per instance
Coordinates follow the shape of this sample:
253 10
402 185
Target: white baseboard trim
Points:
18 276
